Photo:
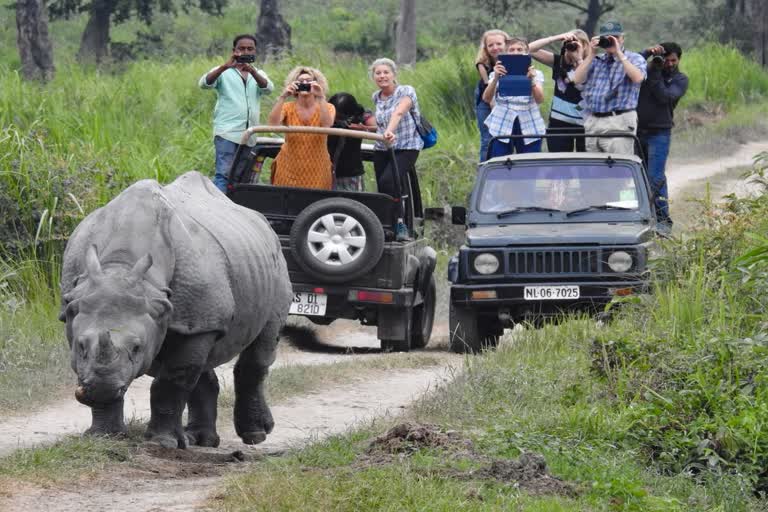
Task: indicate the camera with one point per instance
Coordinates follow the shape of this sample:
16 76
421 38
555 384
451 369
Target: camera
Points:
301 87
245 59
657 60
604 42
571 46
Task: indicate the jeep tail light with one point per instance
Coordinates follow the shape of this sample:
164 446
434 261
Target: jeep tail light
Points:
369 296
621 292
483 294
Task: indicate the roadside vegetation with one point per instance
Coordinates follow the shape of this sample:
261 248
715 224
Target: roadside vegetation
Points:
664 408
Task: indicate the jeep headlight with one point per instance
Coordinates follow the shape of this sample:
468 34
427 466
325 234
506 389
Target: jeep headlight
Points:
620 261
486 263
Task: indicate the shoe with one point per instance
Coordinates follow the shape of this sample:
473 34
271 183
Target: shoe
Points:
401 232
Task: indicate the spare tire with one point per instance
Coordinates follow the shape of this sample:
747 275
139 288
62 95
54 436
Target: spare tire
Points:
337 239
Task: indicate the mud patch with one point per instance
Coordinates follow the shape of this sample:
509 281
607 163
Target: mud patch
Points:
529 472
407 438
171 463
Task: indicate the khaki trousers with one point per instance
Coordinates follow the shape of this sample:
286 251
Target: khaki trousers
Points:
623 123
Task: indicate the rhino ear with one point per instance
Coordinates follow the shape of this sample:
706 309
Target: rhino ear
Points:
141 266
160 307
92 263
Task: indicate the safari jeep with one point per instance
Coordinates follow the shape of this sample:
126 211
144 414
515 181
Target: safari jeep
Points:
547 233
343 257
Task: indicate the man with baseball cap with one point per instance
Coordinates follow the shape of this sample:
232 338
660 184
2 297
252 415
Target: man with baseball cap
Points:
611 84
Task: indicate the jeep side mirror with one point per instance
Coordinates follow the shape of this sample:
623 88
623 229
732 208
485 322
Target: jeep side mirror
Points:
437 214
458 215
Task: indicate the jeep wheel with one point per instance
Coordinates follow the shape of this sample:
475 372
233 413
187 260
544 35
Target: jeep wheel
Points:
424 317
337 239
468 334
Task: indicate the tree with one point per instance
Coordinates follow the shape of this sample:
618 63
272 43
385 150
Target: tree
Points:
742 23
94 43
592 10
272 31
405 37
35 49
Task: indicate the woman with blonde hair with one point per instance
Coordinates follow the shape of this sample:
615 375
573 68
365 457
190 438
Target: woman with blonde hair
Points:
492 44
397 112
565 115
303 160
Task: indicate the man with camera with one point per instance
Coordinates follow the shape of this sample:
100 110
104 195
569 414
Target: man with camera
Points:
239 87
659 95
611 89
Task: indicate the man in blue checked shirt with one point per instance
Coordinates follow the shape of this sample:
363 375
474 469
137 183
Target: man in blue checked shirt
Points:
239 87
611 89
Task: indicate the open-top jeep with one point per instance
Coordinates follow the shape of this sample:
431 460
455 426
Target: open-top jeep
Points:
548 233
343 257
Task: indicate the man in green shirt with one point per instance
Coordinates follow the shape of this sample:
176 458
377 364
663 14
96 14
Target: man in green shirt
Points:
239 87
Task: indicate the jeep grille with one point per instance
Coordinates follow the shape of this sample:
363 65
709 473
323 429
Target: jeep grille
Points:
555 262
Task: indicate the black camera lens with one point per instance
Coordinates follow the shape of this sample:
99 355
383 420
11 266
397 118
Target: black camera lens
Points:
571 46
604 42
657 60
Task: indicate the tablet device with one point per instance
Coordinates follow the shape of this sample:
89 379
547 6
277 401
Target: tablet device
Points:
514 85
515 64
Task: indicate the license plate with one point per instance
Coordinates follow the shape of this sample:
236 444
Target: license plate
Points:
305 303
551 292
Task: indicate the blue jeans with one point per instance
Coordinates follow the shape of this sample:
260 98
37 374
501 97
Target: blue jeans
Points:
225 153
482 111
655 152
499 148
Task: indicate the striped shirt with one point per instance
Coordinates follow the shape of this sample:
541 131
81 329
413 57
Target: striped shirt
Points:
406 136
608 87
508 108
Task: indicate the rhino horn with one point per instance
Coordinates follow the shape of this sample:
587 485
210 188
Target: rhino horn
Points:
107 350
141 266
92 263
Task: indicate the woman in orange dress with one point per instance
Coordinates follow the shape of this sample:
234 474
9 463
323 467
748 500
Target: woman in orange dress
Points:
303 160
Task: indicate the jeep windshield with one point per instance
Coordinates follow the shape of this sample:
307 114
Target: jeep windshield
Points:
555 190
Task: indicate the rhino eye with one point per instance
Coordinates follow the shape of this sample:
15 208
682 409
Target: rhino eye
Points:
82 348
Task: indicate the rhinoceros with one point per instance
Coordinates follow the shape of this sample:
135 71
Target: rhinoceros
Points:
174 281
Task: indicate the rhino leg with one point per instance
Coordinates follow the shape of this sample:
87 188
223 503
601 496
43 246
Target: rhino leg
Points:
253 419
107 420
201 427
182 361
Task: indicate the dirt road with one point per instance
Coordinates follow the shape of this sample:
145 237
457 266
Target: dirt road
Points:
163 481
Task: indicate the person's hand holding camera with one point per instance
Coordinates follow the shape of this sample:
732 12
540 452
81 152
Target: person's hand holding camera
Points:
290 90
316 90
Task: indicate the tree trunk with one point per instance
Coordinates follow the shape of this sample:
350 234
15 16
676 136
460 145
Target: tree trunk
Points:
405 38
32 39
594 11
94 45
760 37
272 31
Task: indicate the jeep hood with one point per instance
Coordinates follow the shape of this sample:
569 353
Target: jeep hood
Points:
600 233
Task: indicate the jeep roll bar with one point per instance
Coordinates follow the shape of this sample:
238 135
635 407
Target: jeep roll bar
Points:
616 135
401 196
